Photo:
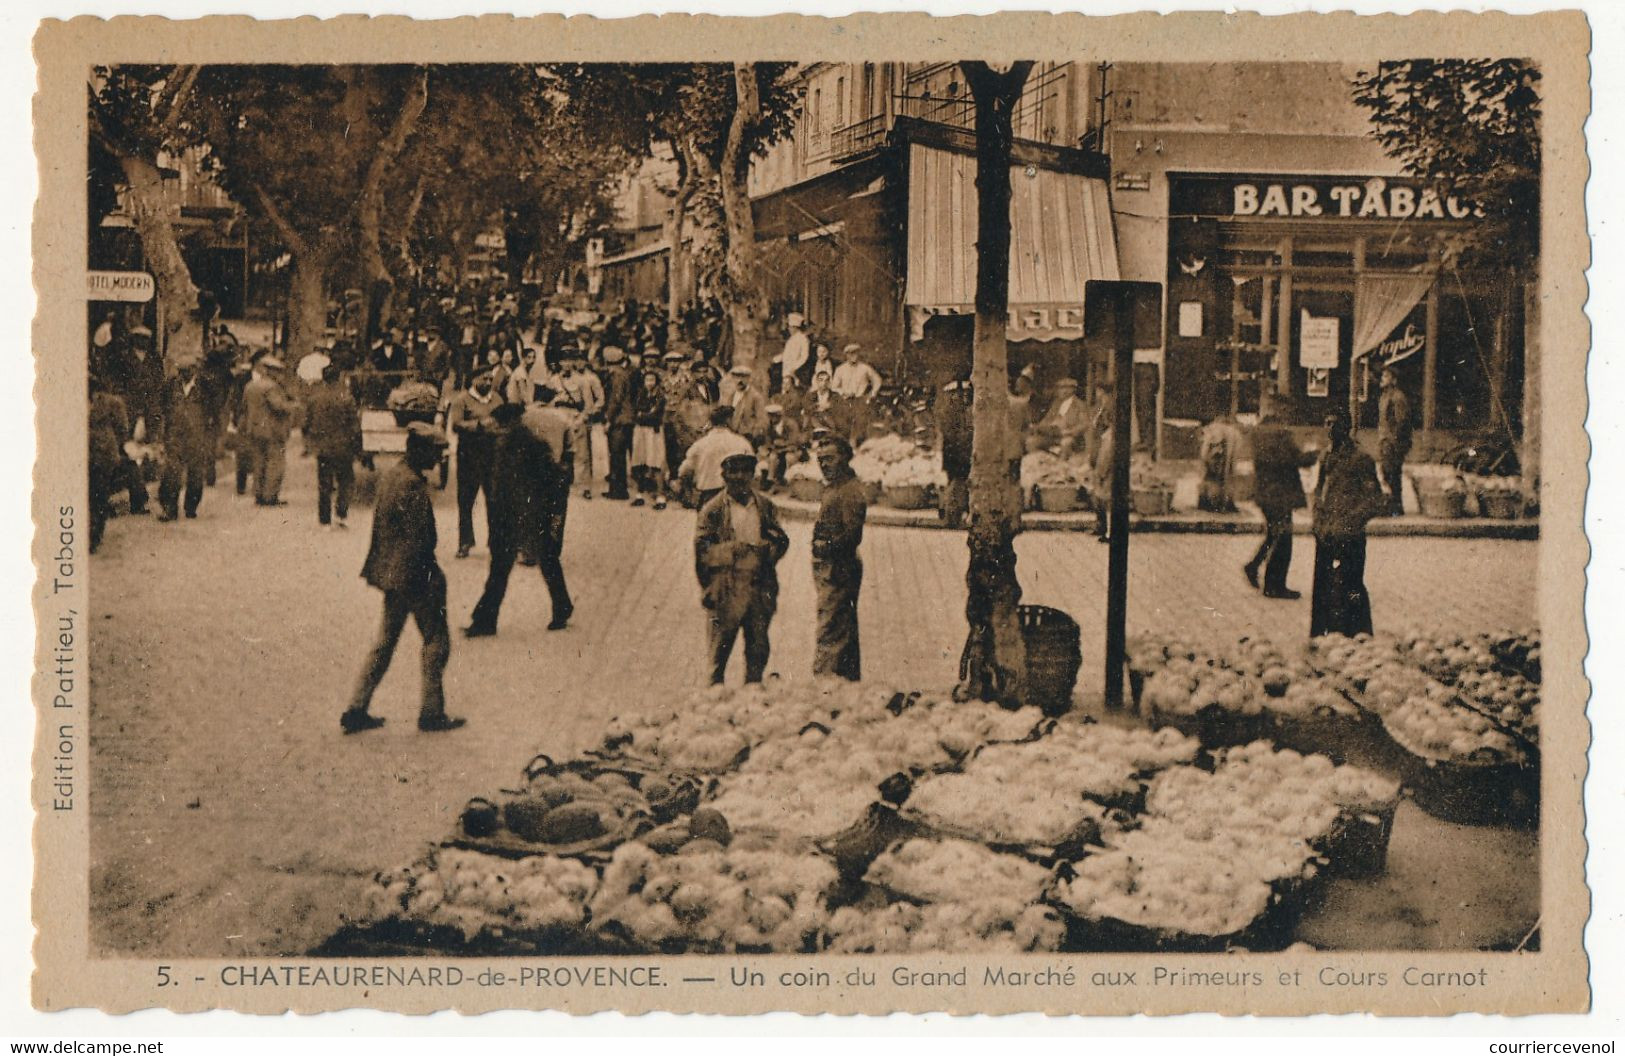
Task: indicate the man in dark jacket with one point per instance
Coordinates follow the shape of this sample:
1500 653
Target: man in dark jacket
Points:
618 420
531 475
401 563
1278 489
837 569
1346 498
333 431
737 546
188 440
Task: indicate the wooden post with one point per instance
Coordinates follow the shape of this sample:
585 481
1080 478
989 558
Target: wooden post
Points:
1430 362
1117 556
1283 365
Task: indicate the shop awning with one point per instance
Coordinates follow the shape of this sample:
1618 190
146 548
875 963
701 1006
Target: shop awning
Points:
1060 236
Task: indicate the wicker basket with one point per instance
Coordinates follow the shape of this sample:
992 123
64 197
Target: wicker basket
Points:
1058 498
906 497
1153 502
1502 505
805 489
1054 655
1435 502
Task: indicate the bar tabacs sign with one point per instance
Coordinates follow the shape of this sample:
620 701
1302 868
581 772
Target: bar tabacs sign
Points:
1316 197
135 287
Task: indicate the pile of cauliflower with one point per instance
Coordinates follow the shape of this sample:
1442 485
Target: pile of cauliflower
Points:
474 892
954 870
1211 844
987 925
877 454
716 898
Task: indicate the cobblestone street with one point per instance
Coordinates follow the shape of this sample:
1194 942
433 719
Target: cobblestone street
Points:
230 817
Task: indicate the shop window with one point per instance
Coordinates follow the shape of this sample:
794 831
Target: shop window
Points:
1307 257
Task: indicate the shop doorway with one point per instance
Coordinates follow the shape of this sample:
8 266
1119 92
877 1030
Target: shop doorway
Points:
1322 337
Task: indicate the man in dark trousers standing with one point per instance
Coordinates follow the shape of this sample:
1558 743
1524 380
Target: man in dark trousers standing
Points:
837 569
737 546
1393 438
618 420
188 440
268 419
1278 489
470 419
333 430
531 475
401 563
1347 496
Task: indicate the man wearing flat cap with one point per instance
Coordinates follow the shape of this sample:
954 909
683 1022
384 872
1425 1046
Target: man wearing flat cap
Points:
188 440
401 563
738 544
268 419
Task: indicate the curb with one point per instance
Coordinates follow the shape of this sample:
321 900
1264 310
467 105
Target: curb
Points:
1192 523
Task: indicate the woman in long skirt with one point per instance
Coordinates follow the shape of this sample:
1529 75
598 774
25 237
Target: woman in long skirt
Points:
648 440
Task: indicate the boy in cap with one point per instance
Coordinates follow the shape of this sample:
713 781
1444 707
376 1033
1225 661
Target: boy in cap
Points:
738 544
401 563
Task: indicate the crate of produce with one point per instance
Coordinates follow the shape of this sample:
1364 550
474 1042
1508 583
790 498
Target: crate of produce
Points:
1342 736
1266 919
1441 502
1477 793
906 496
1059 498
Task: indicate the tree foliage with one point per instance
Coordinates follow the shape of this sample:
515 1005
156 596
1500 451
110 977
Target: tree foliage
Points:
1472 125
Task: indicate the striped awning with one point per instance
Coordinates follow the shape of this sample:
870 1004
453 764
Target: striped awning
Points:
1060 236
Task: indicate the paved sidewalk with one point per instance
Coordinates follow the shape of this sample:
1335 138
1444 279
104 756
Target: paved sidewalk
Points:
230 818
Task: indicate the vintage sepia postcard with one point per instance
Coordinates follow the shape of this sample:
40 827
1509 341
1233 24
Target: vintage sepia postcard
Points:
1028 513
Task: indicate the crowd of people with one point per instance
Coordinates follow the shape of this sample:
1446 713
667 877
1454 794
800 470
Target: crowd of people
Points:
535 413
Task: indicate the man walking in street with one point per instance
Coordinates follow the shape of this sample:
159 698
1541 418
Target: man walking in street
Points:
333 431
1278 489
401 563
738 544
470 420
188 440
618 420
268 419
1393 439
702 466
530 494
837 569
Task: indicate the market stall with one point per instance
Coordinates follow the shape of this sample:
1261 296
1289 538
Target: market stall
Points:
805 817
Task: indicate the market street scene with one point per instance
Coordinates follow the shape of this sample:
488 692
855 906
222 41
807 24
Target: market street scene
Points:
853 508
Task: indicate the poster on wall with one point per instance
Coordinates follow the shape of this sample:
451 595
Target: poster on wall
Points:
1319 381
1317 342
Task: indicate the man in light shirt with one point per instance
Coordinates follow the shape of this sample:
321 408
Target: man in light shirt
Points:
737 545
855 379
702 466
796 350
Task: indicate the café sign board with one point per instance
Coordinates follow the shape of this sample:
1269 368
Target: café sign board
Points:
135 287
1230 196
